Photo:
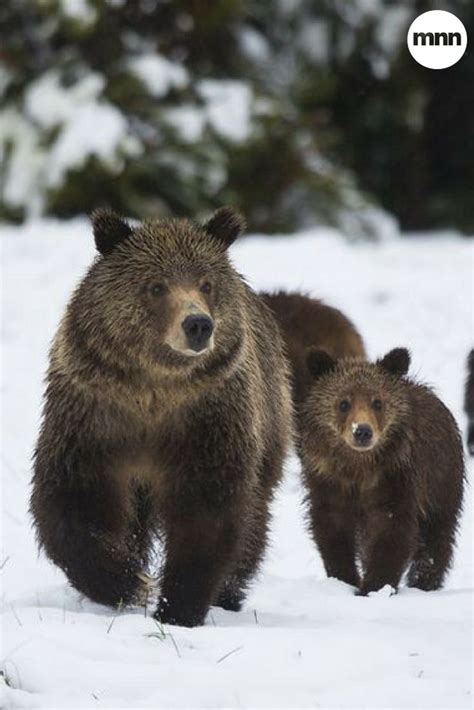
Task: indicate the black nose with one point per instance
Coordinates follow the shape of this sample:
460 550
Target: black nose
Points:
198 330
363 435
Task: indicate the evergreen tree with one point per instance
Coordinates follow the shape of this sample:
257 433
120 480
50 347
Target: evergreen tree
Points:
295 111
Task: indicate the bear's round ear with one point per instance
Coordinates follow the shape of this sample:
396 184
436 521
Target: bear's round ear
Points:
109 230
396 362
225 225
319 362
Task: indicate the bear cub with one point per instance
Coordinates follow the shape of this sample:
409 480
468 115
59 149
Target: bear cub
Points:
167 413
308 322
383 468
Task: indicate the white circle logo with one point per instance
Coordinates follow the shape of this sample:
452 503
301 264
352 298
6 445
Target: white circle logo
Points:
437 39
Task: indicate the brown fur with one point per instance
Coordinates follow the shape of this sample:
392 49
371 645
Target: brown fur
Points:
469 402
394 503
307 322
142 437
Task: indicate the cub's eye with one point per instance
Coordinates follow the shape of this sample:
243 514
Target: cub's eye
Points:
344 405
206 287
377 405
157 289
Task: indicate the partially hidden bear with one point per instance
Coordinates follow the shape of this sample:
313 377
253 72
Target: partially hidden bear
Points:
167 412
308 322
383 469
469 403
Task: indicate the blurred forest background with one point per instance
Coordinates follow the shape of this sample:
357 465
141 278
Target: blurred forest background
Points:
296 111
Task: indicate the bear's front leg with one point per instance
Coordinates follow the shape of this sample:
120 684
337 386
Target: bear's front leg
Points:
199 550
332 521
389 541
83 523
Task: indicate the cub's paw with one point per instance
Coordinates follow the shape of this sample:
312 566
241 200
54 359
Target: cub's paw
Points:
230 601
231 595
167 613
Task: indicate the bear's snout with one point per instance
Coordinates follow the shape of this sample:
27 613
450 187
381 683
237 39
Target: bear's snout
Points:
362 434
198 329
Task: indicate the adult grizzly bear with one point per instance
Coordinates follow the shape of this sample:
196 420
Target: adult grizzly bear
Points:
383 467
167 411
469 402
307 322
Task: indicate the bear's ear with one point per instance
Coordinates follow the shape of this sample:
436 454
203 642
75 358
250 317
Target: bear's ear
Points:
319 362
109 230
396 362
225 225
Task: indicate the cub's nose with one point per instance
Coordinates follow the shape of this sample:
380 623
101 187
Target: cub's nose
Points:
198 329
363 435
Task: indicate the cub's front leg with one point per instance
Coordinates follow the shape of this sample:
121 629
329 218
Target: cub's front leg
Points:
333 525
390 534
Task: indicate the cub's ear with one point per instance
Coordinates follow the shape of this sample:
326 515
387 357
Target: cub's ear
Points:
319 362
225 225
396 362
109 230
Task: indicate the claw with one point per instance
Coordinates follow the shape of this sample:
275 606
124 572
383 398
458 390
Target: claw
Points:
147 588
147 579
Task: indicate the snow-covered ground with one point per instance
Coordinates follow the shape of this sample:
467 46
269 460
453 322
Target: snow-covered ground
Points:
302 640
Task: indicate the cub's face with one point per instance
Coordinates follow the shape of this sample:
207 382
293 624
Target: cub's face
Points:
358 402
164 294
361 415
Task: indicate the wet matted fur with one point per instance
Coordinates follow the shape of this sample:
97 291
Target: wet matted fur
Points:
391 501
142 435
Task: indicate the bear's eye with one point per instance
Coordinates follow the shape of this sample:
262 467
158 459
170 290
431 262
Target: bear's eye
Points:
344 405
206 287
157 289
377 404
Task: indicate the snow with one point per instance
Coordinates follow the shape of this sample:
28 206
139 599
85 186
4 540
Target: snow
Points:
254 45
315 39
80 10
49 103
87 125
228 107
392 26
98 129
302 640
22 158
158 74
187 120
